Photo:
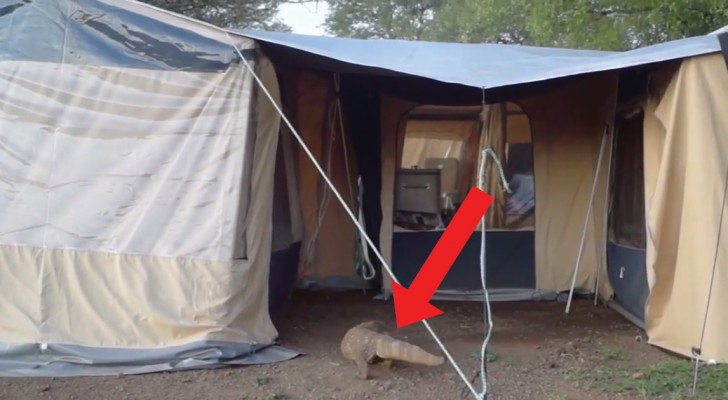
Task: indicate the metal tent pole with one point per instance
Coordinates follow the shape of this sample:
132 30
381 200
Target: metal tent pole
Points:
586 219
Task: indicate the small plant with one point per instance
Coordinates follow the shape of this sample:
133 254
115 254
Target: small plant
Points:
261 381
489 356
611 353
275 396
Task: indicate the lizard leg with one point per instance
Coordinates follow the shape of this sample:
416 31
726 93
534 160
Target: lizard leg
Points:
363 369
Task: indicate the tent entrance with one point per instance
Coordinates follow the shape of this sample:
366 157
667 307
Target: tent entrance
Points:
438 152
626 246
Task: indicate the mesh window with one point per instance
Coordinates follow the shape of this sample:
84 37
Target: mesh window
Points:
627 216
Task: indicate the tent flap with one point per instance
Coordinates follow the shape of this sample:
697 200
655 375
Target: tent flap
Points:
685 199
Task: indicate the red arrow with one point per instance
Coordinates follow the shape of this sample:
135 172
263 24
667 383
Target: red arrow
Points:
413 304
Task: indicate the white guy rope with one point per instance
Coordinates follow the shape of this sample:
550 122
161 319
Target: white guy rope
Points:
368 271
488 320
586 220
347 209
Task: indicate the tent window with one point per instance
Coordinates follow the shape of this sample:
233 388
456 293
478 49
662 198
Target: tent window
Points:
627 215
440 148
519 206
436 164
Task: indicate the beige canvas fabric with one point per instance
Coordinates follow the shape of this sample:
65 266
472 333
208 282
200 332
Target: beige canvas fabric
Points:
113 157
328 235
492 136
654 140
568 125
687 163
392 136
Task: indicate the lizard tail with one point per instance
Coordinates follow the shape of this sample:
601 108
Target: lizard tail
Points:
393 349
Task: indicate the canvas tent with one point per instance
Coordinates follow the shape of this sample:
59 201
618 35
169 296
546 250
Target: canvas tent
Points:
402 104
152 217
136 192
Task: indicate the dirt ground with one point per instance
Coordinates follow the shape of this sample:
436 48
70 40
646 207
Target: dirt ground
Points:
538 351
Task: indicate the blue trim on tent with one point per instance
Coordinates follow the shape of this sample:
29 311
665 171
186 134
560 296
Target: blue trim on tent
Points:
626 267
510 259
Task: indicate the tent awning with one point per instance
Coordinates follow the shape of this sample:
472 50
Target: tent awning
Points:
482 65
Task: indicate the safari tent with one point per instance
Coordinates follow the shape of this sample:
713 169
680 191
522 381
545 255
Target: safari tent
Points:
155 210
606 155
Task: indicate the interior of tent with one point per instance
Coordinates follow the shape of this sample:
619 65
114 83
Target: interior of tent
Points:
404 160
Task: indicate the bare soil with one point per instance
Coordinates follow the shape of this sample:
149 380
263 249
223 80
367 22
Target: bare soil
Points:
537 351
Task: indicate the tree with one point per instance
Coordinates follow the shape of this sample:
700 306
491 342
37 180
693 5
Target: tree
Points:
382 19
240 14
492 21
592 24
623 25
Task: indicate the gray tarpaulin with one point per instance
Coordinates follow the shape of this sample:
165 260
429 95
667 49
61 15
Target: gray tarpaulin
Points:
481 65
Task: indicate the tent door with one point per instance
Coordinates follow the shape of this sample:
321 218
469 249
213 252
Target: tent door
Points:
437 165
626 247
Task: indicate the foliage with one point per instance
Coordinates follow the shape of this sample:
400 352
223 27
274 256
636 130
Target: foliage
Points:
621 25
594 24
668 380
253 14
492 21
382 19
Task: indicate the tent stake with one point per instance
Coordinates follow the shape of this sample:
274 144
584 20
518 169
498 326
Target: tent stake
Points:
586 220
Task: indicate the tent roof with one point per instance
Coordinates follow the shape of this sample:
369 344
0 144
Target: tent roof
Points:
720 30
480 65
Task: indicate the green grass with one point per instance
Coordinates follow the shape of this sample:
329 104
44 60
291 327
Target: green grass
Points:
670 380
611 353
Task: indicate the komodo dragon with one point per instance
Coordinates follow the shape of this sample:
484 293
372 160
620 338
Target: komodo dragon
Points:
368 343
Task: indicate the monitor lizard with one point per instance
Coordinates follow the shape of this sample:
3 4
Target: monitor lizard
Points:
368 343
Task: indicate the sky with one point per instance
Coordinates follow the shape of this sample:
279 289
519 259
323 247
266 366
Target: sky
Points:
305 18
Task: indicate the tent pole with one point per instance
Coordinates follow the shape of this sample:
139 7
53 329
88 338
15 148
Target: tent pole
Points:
607 207
586 219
